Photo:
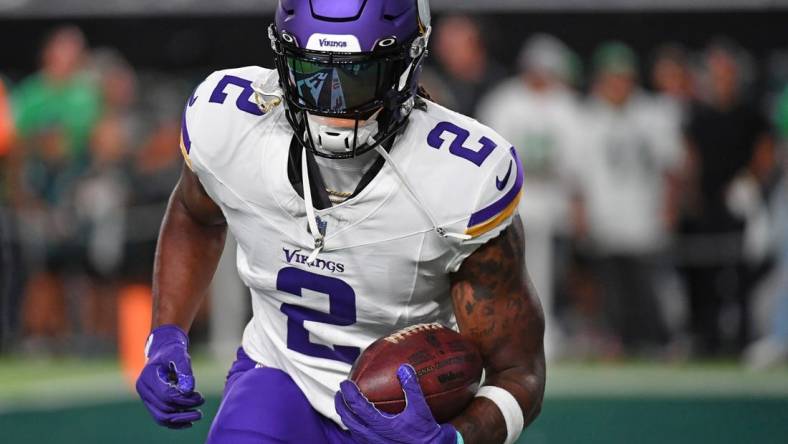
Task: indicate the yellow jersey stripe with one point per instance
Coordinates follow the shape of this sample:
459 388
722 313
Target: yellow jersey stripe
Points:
185 153
488 225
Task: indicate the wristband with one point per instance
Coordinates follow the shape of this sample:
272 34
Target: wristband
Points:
510 409
459 438
164 332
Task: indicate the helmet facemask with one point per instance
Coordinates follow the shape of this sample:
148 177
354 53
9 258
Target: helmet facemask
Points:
343 104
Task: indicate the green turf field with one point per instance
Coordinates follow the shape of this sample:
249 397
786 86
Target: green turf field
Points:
72 402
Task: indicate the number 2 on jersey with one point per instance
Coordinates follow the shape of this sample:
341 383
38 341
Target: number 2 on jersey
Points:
477 157
244 102
342 312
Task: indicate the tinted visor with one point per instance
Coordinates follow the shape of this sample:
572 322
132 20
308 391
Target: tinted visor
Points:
341 86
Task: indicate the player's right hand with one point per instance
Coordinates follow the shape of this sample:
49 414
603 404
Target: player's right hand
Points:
166 384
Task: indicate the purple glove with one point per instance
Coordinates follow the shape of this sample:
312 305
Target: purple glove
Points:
166 384
415 425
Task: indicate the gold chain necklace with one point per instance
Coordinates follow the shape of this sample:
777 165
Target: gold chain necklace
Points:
337 197
338 193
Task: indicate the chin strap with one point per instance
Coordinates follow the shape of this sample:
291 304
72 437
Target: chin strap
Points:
310 211
438 229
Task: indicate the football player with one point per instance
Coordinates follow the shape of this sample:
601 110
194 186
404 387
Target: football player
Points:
360 207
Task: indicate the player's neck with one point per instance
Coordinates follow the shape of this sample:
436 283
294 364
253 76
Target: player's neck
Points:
342 176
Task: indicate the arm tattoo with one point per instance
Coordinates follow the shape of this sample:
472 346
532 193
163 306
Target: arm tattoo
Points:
497 308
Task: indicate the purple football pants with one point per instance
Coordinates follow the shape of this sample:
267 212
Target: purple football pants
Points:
264 405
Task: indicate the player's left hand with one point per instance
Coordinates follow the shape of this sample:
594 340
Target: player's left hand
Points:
415 425
166 384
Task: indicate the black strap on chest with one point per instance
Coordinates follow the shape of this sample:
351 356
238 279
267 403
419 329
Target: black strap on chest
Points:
319 194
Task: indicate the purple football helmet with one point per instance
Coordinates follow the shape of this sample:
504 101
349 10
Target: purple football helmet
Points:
357 60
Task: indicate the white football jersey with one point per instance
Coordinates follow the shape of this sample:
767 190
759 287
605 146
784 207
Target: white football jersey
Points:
384 265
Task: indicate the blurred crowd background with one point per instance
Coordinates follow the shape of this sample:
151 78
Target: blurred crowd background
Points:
655 197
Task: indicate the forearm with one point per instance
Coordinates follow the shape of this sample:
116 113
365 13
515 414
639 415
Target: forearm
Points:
496 307
187 254
482 421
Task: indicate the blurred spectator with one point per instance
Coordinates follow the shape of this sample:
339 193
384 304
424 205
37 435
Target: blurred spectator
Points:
101 197
465 71
772 349
59 99
6 122
7 131
623 206
671 74
10 270
781 116
730 157
673 83
118 83
674 87
154 172
100 200
538 114
55 112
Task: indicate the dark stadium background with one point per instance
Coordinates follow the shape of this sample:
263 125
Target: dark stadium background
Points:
72 399
201 43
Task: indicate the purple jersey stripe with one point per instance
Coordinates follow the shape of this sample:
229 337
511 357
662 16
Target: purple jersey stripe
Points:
187 141
499 205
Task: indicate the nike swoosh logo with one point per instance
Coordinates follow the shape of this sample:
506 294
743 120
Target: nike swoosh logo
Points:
501 183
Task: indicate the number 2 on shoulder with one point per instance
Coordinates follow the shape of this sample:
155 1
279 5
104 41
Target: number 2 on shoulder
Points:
476 156
244 102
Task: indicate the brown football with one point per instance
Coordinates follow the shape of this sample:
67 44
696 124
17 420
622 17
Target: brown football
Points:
449 368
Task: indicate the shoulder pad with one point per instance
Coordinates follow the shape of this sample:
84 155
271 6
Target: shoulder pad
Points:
218 112
476 176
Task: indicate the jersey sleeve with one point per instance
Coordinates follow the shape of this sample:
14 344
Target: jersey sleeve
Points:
185 142
220 110
191 122
495 206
